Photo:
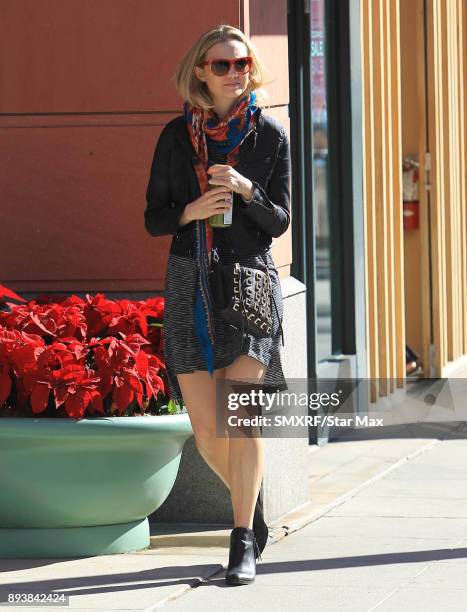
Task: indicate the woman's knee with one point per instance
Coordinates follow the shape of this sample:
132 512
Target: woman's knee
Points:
208 443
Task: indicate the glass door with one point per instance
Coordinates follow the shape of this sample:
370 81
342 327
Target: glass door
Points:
321 199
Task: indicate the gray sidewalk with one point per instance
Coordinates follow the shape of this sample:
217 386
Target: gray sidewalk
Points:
386 528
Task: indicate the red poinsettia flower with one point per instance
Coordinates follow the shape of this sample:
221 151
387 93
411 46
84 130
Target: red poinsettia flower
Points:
54 319
59 371
18 355
79 355
5 292
123 366
108 317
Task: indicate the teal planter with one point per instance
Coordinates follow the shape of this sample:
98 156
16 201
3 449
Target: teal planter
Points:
72 488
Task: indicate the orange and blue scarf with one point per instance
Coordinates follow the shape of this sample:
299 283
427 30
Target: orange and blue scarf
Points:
224 137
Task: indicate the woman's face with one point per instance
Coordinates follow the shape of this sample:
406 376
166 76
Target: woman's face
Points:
232 85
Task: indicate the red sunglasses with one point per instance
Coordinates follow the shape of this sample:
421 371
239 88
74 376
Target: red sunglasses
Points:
221 67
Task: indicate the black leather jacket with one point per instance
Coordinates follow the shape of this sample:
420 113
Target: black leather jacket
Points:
264 158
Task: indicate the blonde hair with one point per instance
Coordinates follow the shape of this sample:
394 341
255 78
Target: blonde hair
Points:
195 92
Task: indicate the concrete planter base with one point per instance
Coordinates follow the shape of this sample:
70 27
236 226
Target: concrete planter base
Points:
78 488
74 541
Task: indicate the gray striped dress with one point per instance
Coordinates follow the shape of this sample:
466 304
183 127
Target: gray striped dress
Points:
182 351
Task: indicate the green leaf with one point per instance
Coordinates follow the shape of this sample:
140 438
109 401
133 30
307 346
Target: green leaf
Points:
173 407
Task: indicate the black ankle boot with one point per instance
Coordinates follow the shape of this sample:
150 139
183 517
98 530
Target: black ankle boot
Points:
260 528
242 557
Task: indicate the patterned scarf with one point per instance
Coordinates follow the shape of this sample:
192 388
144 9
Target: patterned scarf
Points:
225 137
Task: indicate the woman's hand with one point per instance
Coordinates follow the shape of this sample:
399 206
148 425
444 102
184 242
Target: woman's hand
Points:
228 176
213 202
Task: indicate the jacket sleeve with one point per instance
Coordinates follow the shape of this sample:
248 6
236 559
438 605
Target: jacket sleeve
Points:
162 215
271 210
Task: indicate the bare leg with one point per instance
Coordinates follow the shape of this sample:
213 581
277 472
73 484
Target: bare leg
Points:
246 454
199 395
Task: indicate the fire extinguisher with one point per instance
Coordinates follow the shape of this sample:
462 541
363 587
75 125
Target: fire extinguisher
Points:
410 197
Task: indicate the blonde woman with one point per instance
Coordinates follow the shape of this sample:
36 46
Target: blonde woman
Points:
222 155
